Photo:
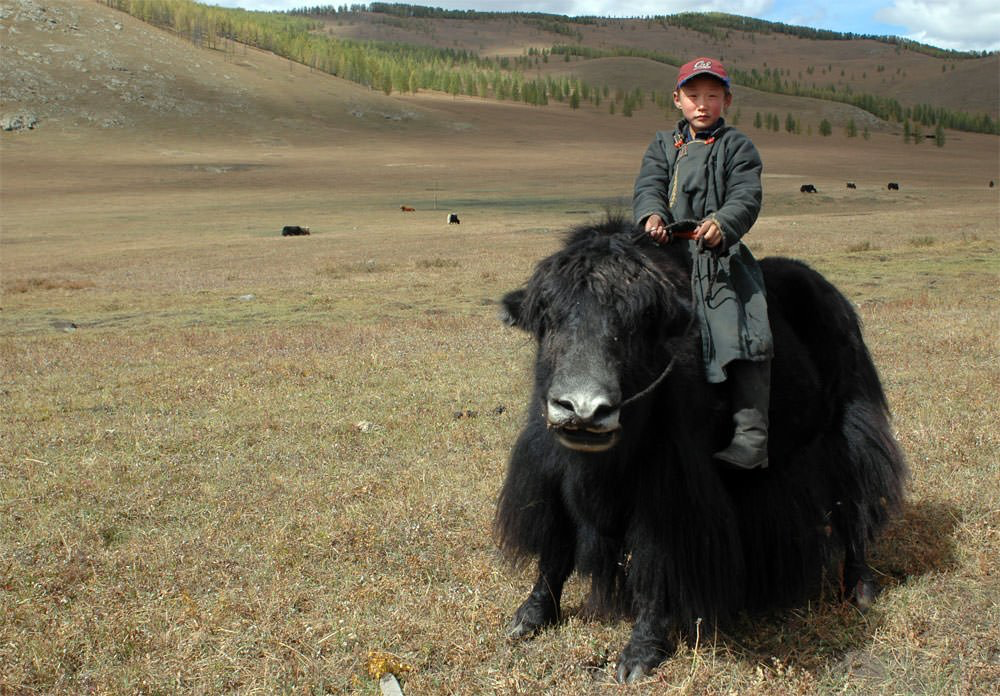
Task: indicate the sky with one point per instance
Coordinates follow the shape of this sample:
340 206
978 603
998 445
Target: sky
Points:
964 25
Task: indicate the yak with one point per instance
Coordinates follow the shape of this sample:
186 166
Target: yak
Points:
612 474
807 188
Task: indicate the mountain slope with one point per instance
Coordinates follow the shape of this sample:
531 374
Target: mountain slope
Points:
861 65
72 65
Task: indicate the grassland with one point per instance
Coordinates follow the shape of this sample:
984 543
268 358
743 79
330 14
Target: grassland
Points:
232 462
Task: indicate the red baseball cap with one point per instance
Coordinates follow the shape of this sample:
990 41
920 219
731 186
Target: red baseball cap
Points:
703 66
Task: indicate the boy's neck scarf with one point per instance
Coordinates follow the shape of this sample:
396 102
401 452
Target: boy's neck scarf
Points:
707 134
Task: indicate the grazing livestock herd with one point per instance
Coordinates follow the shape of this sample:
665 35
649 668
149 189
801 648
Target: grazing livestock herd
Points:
892 186
299 230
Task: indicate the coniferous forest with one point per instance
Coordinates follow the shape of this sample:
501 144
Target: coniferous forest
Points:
402 68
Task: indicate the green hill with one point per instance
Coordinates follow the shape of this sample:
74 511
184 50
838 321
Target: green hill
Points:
404 48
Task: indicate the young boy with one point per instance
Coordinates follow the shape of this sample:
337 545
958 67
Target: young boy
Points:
709 172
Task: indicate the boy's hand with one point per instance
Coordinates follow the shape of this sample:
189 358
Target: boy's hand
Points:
656 229
710 231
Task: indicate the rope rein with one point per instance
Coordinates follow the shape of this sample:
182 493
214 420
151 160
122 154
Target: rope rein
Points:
663 375
681 229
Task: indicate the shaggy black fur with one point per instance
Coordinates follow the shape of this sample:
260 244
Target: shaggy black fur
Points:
663 532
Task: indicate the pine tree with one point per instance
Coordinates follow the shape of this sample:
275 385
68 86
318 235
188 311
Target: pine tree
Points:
825 128
852 129
757 123
939 135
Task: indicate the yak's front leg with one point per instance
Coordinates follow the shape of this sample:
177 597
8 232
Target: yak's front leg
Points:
541 608
649 644
859 580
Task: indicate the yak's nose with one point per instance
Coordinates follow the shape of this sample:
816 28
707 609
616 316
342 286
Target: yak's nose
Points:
593 410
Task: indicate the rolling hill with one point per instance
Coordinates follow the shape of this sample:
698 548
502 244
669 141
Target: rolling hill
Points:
468 53
962 82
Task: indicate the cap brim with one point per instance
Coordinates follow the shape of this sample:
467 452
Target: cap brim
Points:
723 80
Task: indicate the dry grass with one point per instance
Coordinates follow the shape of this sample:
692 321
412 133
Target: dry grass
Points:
211 494
260 464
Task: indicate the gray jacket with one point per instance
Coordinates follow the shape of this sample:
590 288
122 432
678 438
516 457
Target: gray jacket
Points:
716 177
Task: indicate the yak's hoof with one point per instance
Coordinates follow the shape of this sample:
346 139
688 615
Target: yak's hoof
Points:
863 594
529 619
638 661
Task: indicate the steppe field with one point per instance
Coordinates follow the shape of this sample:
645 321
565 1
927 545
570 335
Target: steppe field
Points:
237 463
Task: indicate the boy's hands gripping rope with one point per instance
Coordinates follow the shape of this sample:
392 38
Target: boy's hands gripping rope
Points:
708 231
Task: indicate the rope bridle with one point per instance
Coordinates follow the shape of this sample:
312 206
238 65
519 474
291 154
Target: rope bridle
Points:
663 375
681 229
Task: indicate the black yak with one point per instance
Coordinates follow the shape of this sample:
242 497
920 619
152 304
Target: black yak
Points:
613 476
807 188
294 231
893 186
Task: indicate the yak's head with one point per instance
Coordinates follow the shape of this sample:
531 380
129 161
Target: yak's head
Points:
602 310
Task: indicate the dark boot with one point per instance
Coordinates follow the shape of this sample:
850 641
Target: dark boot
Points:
750 389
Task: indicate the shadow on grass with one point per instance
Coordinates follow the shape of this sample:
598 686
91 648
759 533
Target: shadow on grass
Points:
825 636
831 633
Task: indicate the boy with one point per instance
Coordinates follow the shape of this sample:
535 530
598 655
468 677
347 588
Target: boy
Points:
709 172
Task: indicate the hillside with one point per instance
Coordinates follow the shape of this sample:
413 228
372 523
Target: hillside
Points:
70 65
861 65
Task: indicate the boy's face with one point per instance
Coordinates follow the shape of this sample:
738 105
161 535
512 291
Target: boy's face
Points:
702 100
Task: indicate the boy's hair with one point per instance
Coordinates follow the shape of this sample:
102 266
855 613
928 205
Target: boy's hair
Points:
703 66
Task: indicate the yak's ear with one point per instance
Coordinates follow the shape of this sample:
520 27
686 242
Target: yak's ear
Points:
510 307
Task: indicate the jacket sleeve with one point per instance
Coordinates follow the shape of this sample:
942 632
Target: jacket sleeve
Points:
651 194
742 192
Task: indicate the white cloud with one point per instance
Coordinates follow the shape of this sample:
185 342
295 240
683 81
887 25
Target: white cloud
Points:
949 24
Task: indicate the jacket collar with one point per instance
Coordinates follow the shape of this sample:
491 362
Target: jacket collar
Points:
687 135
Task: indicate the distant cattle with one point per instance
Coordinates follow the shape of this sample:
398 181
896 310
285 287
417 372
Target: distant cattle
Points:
293 231
406 209
851 185
893 186
807 188
453 219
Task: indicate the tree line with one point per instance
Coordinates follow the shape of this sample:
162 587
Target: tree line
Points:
388 67
397 67
768 80
886 108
